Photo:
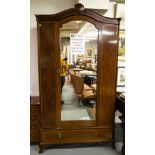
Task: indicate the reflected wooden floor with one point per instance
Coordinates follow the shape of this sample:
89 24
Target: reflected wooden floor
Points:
70 110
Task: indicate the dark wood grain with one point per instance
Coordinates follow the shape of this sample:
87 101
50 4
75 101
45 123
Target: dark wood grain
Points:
34 119
106 71
47 70
76 11
75 136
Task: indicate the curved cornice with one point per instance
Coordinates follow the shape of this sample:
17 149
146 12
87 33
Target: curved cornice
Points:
78 10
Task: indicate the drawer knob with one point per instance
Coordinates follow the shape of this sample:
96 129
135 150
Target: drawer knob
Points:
60 135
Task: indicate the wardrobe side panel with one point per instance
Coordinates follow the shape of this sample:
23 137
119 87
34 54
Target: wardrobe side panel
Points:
107 66
47 80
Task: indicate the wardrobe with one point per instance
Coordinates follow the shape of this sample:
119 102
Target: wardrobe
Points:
54 130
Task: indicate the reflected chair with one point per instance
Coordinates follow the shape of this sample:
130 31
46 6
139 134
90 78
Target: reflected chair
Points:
72 73
83 91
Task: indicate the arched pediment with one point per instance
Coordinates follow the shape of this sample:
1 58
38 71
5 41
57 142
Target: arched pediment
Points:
78 10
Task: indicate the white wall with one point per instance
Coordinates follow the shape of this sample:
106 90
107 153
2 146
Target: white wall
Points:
41 7
95 4
111 10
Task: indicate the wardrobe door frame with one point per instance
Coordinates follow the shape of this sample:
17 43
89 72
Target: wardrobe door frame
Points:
47 70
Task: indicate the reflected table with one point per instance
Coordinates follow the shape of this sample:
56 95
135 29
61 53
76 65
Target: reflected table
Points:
77 69
88 73
120 106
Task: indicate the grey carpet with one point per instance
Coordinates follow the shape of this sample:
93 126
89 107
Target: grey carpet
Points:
86 150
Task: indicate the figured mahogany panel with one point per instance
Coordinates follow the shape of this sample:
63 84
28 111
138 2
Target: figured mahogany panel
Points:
107 58
47 71
77 10
34 119
75 136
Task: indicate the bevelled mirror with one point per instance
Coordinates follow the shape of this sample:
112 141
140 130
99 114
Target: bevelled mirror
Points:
78 69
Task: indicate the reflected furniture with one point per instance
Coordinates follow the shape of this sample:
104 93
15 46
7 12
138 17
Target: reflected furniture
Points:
34 119
83 91
86 72
120 106
52 129
77 69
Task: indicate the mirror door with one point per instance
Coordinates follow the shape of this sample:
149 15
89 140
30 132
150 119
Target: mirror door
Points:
78 70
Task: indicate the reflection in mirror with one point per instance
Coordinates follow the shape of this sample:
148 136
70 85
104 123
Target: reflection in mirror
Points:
121 63
78 49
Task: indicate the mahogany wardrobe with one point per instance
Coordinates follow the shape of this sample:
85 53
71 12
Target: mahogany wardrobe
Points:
50 30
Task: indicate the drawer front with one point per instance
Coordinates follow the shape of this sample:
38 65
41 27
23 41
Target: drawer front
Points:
34 135
34 123
34 118
76 136
34 109
34 126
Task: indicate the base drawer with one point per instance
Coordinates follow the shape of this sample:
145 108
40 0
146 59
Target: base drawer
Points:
75 136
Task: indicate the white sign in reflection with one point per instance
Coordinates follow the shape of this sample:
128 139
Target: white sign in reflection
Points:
77 43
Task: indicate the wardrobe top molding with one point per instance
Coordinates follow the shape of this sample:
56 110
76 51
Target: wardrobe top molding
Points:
78 10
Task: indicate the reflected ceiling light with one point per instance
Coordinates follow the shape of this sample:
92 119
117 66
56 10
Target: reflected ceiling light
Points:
78 21
92 33
82 29
90 37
